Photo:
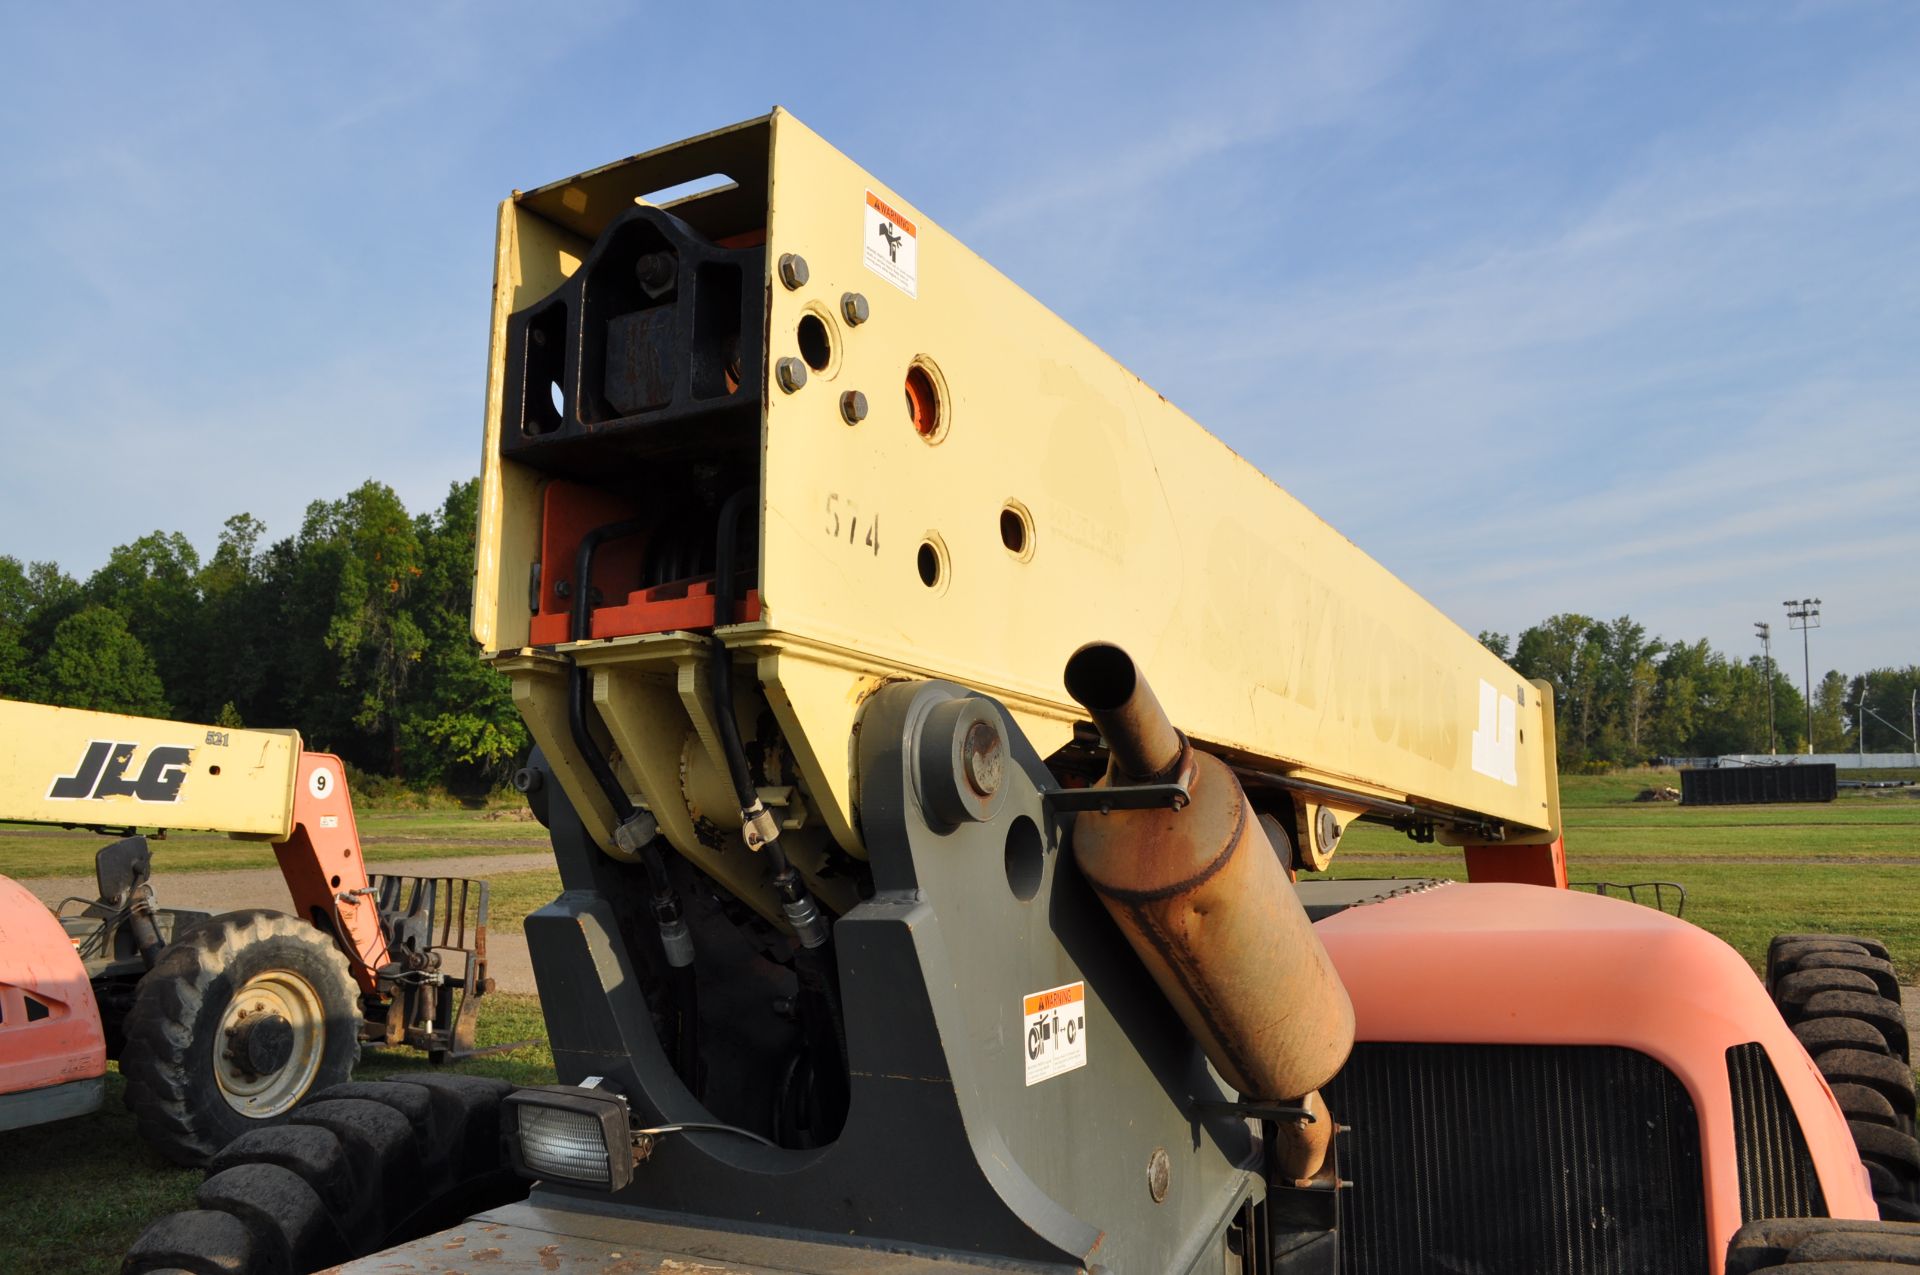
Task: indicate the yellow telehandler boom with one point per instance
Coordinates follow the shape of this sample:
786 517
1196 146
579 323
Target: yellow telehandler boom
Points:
949 481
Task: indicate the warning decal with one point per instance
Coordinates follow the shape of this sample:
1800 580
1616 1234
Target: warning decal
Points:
1056 1031
891 246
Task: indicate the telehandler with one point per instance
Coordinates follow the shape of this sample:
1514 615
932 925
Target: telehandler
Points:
220 1024
903 929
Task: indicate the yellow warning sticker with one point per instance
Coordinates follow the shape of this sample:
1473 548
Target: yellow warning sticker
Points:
1056 1036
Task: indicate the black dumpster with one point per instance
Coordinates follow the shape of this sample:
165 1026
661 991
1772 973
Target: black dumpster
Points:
1759 785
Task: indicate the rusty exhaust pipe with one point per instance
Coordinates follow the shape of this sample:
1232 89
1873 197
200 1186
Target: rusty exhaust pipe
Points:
1207 905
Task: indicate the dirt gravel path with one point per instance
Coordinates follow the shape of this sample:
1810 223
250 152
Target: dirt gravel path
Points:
228 890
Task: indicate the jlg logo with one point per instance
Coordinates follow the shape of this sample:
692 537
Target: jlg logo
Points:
103 773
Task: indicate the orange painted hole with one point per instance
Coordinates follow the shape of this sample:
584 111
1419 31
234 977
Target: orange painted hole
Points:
923 402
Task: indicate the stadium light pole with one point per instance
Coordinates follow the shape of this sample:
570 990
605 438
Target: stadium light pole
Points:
1804 615
1765 631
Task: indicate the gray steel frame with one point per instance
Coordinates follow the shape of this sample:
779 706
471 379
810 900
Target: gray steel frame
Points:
947 1150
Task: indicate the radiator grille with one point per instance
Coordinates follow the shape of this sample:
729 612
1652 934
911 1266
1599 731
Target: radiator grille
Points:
1777 1178
1499 1158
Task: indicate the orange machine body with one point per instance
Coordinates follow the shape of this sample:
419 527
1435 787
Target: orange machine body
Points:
1517 965
325 872
51 1038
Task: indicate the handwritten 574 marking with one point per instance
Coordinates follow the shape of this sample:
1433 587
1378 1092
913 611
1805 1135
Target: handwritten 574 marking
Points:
843 515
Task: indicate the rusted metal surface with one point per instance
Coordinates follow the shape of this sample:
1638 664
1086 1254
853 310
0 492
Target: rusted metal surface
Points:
1142 744
1300 1146
1205 901
522 1239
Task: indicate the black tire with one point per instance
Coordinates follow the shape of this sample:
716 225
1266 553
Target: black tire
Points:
1841 1246
1818 1035
184 1087
358 1168
1840 996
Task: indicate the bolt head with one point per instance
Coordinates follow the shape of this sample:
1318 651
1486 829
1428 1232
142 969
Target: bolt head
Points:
655 272
1329 829
791 373
853 307
986 759
853 406
793 270
1159 1174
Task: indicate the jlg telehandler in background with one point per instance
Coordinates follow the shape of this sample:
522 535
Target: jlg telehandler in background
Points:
903 930
223 1023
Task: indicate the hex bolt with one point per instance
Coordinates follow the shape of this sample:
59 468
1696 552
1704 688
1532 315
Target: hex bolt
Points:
986 763
853 306
792 374
853 406
793 270
655 272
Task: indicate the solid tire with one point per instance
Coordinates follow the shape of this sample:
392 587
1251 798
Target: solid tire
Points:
174 1026
359 1167
1796 989
1886 980
1840 995
1818 1035
1874 1010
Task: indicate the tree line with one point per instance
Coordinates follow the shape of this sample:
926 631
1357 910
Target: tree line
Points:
354 631
1623 697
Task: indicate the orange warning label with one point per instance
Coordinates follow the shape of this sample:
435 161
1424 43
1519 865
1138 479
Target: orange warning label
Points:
1041 1001
900 221
890 245
1055 1024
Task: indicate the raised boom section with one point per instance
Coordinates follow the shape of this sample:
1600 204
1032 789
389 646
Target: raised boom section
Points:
80 768
942 480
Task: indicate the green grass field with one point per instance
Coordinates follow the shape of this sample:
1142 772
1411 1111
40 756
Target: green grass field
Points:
385 835
85 1188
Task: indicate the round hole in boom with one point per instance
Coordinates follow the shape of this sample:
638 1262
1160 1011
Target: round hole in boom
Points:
1016 530
1026 858
926 400
816 344
928 560
559 397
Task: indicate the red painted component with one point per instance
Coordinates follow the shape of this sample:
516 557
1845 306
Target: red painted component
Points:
570 511
1519 865
59 1038
687 604
1559 967
324 869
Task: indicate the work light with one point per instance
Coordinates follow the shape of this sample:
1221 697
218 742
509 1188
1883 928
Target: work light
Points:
571 1133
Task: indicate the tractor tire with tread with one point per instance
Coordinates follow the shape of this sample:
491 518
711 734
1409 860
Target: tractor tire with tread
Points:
1839 995
1829 1246
358 1168
189 1097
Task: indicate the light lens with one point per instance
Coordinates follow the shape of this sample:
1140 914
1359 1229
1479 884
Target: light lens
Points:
565 1144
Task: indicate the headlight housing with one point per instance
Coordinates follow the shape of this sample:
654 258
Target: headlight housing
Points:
578 1134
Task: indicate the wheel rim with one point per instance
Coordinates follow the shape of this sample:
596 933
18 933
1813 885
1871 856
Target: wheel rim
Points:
262 1095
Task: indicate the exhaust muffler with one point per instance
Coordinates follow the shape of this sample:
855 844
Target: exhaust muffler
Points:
1208 907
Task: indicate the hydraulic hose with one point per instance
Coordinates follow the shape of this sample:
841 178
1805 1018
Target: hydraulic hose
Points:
823 1018
636 832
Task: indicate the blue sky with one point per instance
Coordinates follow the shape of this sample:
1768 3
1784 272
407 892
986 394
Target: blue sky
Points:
1600 308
